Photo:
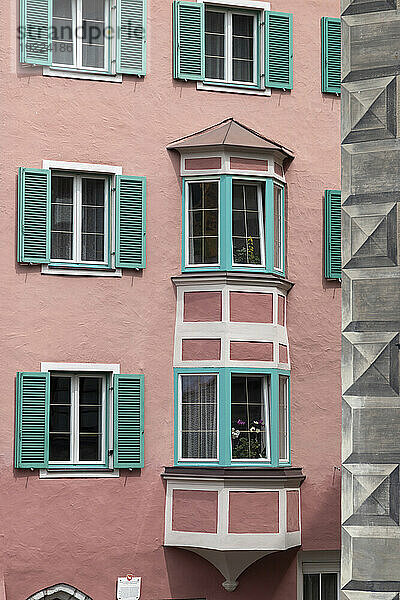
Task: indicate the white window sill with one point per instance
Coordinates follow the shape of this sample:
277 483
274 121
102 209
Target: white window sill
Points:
69 73
70 474
231 89
49 270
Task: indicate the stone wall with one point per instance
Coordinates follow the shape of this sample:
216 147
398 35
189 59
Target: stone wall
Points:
371 299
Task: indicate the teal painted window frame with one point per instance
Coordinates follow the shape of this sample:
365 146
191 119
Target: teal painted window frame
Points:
259 15
224 416
225 225
104 466
77 265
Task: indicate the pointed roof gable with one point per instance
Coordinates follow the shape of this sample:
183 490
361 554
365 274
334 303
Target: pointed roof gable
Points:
232 134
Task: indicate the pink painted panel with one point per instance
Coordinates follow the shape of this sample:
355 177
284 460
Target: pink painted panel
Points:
253 512
252 351
202 306
201 164
281 310
283 353
249 164
195 510
293 518
251 307
278 169
202 349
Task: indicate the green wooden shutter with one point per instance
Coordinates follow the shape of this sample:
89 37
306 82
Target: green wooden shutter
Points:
279 50
333 234
35 31
130 222
189 41
131 38
128 421
32 410
34 203
331 54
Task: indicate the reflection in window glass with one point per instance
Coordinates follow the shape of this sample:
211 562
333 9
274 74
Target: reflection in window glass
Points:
278 228
203 222
247 224
320 586
283 419
249 417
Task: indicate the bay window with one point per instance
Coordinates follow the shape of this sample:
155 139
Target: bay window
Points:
227 416
233 224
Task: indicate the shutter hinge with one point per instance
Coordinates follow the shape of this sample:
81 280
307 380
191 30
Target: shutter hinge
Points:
111 388
114 189
112 253
110 452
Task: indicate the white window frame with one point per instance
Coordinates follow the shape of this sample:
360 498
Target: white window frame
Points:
77 219
197 460
187 255
267 410
240 87
74 421
261 224
317 562
91 73
228 13
98 170
76 472
287 420
281 266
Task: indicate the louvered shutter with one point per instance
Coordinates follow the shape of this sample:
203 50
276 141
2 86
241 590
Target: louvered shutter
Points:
331 54
279 50
32 410
333 234
131 39
35 31
189 41
130 222
34 198
128 421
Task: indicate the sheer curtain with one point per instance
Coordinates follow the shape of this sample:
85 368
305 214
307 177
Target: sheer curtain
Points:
199 416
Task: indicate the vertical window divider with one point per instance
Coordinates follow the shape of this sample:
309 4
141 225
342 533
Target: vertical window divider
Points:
226 218
75 430
79 26
78 229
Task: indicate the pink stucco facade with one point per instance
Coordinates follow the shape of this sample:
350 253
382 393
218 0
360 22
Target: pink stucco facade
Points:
87 532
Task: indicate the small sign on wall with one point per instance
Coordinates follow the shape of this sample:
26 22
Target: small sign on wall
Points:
128 588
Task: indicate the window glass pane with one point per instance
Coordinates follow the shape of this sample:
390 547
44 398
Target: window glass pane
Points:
215 45
199 416
93 215
90 418
249 418
61 217
63 47
243 44
329 586
203 223
311 587
247 227
93 21
283 419
89 447
60 419
278 249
